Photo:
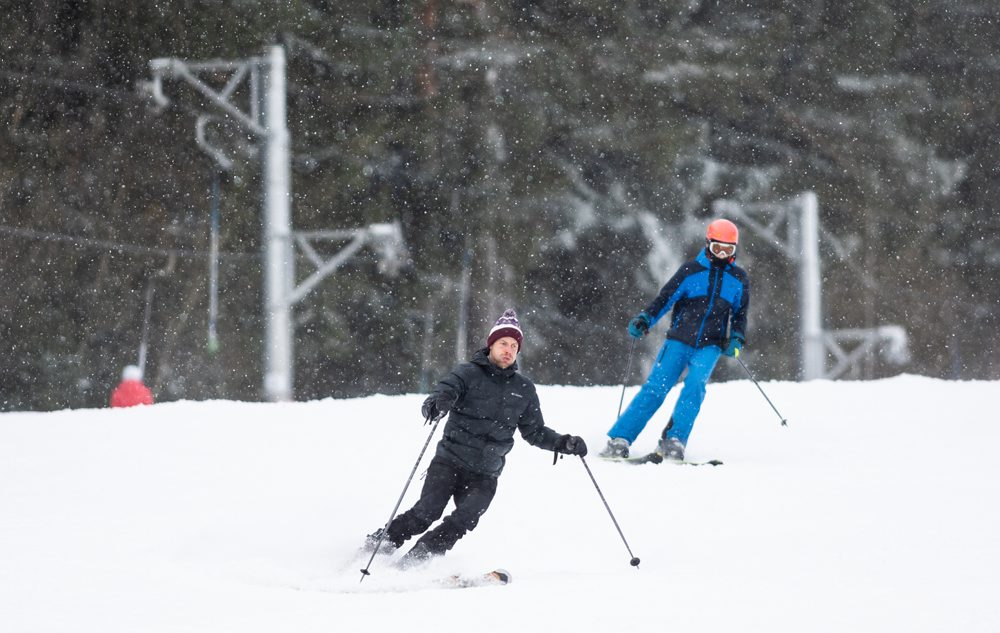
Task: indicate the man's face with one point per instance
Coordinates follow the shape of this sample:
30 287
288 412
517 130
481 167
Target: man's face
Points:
503 353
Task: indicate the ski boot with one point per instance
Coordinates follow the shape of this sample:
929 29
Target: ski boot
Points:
419 556
385 548
670 448
617 448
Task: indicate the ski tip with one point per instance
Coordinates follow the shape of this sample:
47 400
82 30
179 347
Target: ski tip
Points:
502 575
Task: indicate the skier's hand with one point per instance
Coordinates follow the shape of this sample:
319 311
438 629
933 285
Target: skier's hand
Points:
639 325
571 445
733 349
435 408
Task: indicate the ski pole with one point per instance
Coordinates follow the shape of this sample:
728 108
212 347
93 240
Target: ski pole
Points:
628 370
381 537
635 559
784 422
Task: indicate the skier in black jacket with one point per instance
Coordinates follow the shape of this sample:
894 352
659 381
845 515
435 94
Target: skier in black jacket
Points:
487 400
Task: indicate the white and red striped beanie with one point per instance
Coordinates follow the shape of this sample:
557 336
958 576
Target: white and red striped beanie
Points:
506 325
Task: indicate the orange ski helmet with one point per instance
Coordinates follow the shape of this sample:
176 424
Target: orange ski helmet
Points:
723 231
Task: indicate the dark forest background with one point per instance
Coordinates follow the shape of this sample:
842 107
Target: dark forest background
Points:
560 157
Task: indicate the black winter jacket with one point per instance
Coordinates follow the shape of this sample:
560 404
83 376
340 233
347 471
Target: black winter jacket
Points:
488 404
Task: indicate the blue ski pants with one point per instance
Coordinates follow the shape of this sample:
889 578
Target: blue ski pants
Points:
674 357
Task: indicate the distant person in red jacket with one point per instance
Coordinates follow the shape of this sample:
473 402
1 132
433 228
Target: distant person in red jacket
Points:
130 391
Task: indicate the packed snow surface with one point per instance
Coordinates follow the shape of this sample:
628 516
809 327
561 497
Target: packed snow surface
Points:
875 509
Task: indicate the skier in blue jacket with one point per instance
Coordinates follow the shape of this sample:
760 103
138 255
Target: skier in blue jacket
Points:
709 296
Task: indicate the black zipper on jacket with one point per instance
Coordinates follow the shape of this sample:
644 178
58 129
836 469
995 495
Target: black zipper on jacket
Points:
713 290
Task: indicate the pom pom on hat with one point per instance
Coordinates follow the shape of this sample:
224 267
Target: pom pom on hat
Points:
131 372
506 325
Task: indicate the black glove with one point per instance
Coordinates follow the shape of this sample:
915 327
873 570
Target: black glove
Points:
435 408
570 445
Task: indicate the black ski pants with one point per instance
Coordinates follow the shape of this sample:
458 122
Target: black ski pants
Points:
472 492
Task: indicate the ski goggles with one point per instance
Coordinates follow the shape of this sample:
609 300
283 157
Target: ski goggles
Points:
722 250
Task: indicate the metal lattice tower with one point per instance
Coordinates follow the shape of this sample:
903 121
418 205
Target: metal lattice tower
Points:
800 219
253 96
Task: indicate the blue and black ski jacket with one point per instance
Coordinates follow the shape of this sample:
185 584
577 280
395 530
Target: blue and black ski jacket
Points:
708 298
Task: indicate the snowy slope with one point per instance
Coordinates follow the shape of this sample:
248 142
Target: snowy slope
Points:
874 510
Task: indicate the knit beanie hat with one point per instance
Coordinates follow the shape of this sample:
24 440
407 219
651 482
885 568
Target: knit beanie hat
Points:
506 325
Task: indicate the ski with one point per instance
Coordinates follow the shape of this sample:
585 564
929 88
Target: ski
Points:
656 458
462 581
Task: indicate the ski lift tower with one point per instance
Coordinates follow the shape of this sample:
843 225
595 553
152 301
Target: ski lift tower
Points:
800 217
253 97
